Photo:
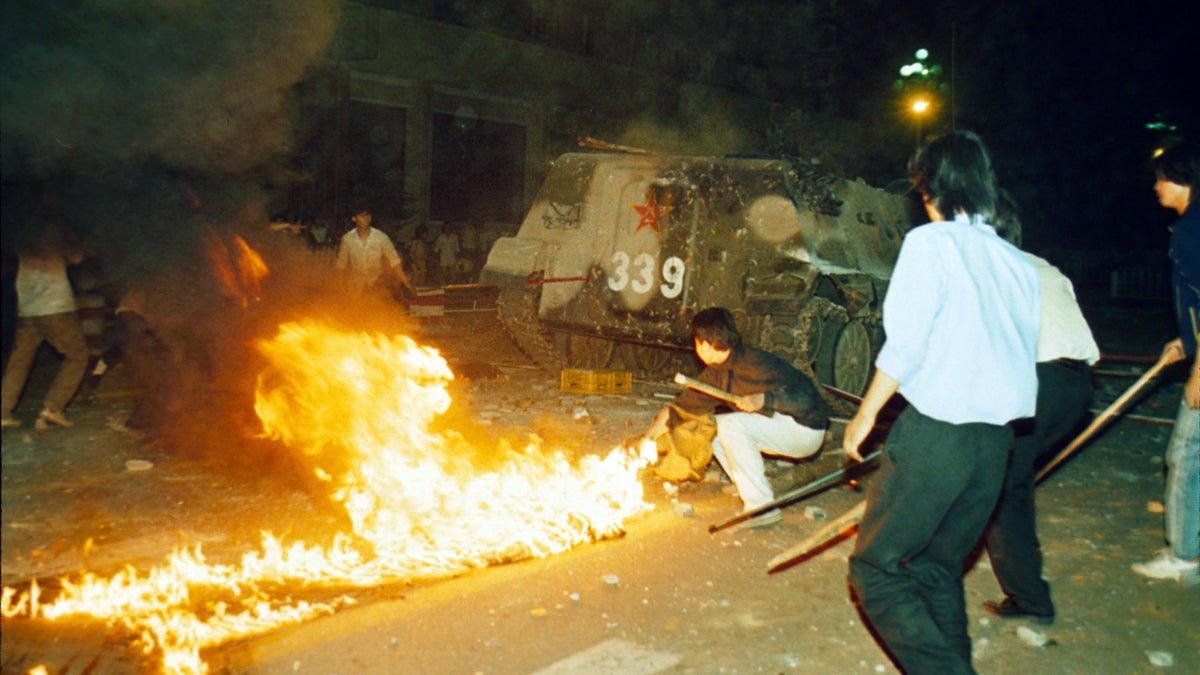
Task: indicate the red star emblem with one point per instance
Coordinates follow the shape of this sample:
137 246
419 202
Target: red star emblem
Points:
650 212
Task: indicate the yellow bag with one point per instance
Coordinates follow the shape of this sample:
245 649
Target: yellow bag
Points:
686 451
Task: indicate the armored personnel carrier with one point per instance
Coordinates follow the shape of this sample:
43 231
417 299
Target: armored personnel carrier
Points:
619 250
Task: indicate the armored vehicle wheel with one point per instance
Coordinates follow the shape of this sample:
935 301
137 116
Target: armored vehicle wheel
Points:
852 358
646 361
589 352
518 314
656 363
829 320
788 338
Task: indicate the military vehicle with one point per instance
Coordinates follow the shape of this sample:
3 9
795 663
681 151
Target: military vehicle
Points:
620 249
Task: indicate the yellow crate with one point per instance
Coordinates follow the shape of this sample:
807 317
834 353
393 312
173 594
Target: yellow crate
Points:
575 381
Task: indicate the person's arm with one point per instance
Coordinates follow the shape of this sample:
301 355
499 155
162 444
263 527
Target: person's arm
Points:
390 254
883 386
690 401
395 263
751 402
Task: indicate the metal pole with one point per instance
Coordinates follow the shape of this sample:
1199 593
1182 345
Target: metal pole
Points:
794 495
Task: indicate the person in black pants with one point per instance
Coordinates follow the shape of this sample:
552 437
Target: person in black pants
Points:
1066 352
1064 394
961 317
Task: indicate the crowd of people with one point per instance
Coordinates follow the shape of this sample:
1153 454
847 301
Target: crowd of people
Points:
436 254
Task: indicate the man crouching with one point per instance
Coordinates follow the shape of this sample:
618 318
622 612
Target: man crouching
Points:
778 408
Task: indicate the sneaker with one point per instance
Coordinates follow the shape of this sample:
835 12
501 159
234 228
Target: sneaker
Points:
7 422
766 519
1167 566
54 417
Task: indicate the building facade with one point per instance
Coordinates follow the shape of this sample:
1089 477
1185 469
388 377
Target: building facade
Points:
432 112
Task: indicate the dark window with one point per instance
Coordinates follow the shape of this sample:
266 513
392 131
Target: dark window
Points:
478 169
375 161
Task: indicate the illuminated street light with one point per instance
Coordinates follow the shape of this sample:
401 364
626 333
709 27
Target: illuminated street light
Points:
920 106
921 90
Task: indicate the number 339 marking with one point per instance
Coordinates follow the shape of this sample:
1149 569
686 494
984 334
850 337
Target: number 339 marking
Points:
639 274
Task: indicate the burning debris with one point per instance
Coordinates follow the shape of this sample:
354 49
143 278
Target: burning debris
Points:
240 271
362 410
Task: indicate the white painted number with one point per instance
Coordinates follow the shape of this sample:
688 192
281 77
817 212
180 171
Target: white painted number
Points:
673 271
619 278
644 264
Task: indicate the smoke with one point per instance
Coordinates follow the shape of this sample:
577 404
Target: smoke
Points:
153 127
144 117
192 85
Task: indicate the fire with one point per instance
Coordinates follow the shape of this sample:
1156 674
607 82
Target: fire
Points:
241 271
424 503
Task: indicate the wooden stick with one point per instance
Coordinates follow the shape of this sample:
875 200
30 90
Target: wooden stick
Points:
691 383
842 394
853 516
597 144
1109 413
719 394
820 537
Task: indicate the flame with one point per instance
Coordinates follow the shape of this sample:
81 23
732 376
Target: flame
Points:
424 503
240 271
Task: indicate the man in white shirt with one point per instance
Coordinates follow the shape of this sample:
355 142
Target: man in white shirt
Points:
366 255
46 312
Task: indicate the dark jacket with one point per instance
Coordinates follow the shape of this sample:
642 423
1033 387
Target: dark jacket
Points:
749 370
1185 274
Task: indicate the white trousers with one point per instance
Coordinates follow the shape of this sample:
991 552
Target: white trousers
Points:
743 437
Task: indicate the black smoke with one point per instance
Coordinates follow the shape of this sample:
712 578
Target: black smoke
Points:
132 110
155 128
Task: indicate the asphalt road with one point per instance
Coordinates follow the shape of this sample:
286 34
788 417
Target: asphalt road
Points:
667 596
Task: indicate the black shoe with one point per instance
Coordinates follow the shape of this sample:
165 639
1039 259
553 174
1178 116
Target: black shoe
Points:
1011 610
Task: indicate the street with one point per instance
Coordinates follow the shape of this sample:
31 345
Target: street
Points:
666 596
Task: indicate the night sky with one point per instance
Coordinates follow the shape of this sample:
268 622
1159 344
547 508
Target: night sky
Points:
144 95
1060 92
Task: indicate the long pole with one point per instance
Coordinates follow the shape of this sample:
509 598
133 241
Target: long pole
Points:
794 495
819 538
853 516
1103 418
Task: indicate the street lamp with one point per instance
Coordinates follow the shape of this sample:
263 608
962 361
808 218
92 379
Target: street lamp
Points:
920 83
919 107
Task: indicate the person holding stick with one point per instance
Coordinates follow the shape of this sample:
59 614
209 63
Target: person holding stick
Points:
1177 171
1066 350
776 408
961 319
